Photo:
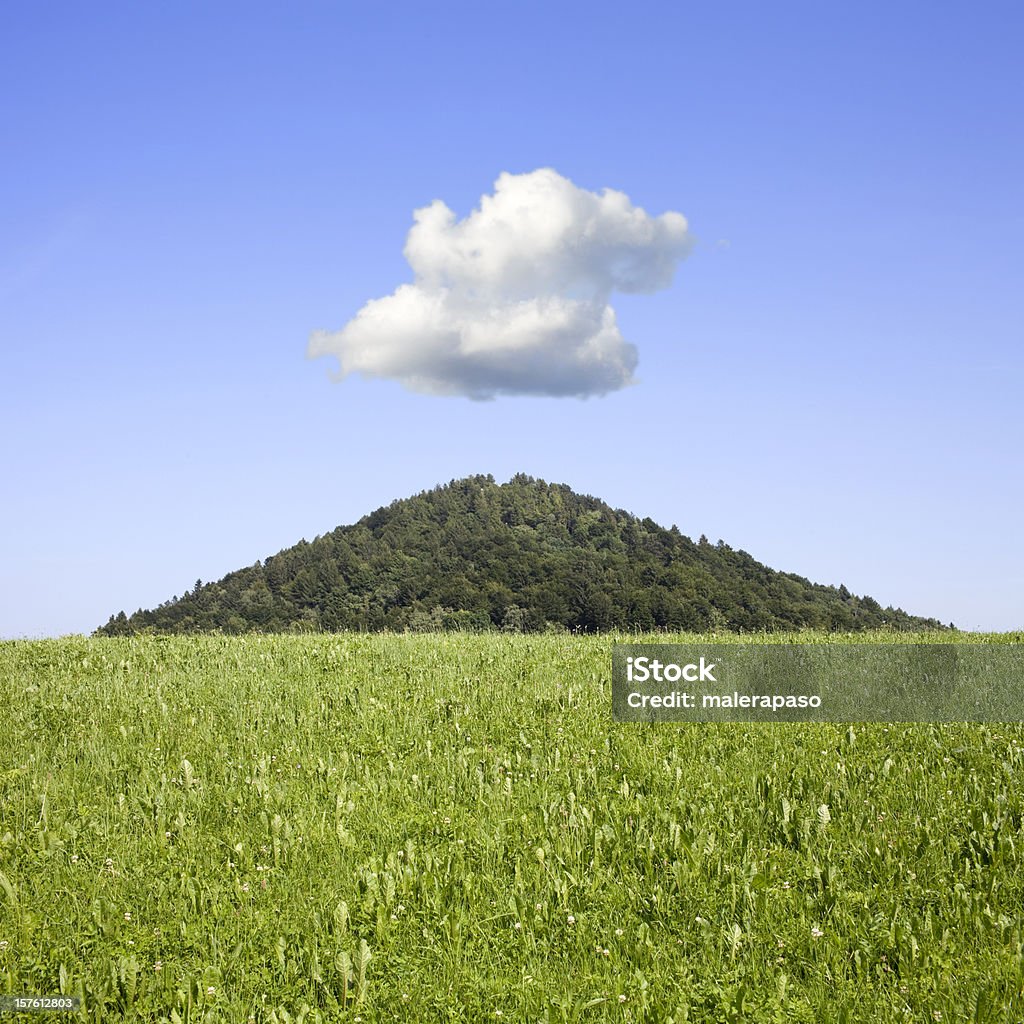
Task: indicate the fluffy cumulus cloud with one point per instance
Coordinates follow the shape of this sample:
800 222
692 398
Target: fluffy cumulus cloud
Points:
513 299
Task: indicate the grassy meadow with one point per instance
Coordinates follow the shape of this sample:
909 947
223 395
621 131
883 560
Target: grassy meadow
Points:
451 828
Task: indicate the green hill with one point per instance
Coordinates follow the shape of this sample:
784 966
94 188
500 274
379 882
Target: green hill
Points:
523 556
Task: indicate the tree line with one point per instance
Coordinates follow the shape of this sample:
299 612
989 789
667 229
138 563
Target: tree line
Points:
522 556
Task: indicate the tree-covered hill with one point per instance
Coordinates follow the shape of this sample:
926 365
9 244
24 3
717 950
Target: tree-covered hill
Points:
525 555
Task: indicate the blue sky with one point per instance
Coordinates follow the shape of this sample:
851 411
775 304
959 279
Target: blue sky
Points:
832 381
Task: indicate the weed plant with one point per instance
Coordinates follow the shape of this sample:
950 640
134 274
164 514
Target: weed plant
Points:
452 828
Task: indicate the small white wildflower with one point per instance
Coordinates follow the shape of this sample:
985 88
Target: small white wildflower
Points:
622 998
816 932
619 932
74 858
538 906
210 990
127 916
4 944
570 919
606 952
518 926
158 966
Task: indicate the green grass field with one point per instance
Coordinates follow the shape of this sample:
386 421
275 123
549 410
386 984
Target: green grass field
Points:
451 828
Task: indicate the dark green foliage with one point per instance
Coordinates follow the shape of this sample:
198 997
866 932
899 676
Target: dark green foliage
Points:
521 556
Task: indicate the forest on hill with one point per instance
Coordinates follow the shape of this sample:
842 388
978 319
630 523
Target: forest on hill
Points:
522 556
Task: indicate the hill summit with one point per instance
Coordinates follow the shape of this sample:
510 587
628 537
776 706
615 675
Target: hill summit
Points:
523 556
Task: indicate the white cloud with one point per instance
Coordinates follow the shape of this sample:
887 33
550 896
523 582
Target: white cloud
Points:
513 299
